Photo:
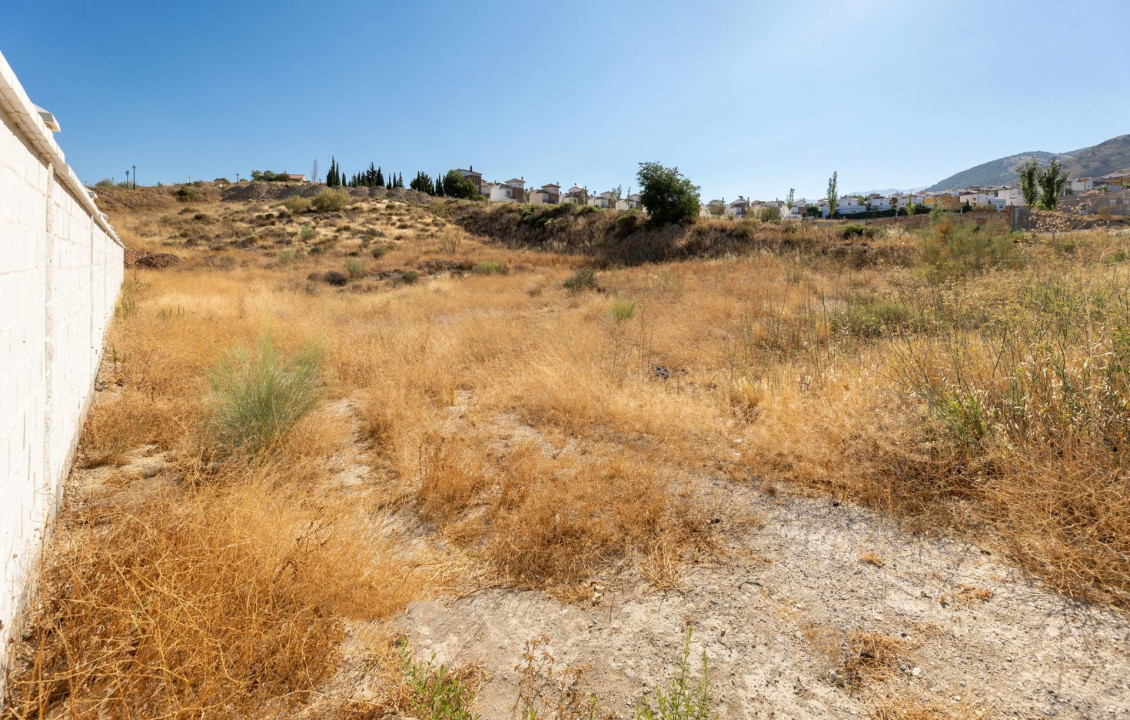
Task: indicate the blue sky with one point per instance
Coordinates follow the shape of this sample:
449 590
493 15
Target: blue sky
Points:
744 97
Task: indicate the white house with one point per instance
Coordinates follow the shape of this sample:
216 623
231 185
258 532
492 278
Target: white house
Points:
850 205
998 203
635 202
878 203
973 197
602 200
1011 196
1082 185
511 191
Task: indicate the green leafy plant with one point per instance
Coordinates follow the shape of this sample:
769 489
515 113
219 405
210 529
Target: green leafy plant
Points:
259 393
683 698
437 693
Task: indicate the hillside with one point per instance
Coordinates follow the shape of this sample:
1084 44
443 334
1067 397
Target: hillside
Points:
1107 157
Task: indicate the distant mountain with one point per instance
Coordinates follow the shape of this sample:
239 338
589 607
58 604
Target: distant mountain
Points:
885 192
1102 159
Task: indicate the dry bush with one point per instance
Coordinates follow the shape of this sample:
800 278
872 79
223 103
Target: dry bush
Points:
217 604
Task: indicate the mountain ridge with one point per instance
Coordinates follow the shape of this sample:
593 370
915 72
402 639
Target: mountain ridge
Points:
1107 157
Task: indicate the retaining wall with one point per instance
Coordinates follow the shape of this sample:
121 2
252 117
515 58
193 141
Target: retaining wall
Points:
61 267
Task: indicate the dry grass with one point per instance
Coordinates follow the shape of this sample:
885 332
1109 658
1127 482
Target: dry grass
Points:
869 657
517 433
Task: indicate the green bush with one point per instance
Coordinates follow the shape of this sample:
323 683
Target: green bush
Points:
296 204
583 279
410 277
490 267
851 230
622 310
668 196
330 201
307 233
186 195
354 268
586 210
259 393
769 214
627 222
286 257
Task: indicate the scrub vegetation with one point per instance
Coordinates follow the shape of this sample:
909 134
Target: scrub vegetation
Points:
513 397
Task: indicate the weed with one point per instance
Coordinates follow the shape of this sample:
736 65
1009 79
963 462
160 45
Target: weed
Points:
259 393
286 257
354 268
490 267
622 310
582 279
437 693
307 233
546 692
682 699
850 230
410 277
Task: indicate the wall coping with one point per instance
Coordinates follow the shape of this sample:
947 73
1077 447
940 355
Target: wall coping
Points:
15 103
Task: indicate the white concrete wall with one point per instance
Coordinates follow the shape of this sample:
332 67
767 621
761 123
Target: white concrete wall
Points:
61 266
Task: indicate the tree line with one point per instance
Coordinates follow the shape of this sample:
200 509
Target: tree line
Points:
449 184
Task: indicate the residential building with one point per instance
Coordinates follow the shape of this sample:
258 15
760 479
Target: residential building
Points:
476 177
576 195
1011 196
634 202
714 208
1082 185
878 203
511 191
294 177
603 200
850 205
546 195
973 197
738 208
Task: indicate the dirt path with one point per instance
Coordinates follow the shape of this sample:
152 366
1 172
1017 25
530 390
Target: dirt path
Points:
976 637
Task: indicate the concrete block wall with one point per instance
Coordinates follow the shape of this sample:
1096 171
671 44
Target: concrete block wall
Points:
61 266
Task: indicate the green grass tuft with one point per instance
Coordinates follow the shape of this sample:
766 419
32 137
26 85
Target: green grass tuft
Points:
259 393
